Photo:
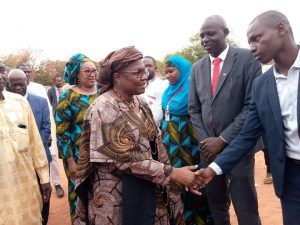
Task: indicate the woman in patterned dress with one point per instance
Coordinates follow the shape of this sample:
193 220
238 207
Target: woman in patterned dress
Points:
179 136
124 175
81 73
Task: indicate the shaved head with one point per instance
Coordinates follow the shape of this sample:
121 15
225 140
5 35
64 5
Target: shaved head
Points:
17 81
213 33
16 74
271 18
216 19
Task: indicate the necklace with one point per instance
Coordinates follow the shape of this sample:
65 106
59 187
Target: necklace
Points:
131 105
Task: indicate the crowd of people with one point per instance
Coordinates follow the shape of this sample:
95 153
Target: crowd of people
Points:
141 150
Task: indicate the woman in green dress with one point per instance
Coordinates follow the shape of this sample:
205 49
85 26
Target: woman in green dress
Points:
80 72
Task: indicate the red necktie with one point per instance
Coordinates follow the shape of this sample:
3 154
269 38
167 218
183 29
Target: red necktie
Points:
216 72
59 90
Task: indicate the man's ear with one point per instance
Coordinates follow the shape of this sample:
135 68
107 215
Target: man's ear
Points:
226 32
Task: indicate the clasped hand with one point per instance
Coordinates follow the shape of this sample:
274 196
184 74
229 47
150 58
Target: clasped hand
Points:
192 178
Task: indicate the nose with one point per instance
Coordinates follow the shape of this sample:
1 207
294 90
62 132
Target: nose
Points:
253 47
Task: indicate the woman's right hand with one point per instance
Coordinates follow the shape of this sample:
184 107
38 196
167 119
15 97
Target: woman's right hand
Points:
186 176
72 167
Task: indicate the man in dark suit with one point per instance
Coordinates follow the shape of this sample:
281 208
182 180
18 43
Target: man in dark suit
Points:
55 91
220 94
274 111
39 106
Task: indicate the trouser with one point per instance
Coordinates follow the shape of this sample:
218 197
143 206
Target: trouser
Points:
54 170
290 200
267 162
45 209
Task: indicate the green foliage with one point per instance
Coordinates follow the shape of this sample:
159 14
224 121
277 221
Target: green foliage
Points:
194 50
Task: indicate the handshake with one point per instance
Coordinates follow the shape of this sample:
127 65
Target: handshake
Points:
192 178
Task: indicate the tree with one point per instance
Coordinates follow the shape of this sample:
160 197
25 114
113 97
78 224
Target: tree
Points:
47 70
26 55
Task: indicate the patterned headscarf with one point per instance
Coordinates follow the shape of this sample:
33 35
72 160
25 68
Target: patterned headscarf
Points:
176 95
115 62
73 66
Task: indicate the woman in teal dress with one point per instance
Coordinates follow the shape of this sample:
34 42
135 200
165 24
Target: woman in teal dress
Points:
179 136
72 106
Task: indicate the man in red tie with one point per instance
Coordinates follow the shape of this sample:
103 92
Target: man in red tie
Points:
55 92
220 94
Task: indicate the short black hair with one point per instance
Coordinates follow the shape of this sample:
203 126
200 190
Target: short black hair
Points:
150 57
18 66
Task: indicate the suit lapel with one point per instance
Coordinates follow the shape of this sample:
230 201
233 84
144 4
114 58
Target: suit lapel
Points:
226 68
206 68
274 100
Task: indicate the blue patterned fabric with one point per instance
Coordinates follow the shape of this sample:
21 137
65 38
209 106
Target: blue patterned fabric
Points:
179 104
73 66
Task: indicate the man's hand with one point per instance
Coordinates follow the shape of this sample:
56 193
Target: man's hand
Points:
203 176
186 176
49 142
206 174
46 192
212 146
72 167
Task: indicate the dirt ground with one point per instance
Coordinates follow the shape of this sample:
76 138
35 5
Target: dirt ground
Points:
269 205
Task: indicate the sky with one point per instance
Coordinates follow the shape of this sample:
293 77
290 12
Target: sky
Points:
60 28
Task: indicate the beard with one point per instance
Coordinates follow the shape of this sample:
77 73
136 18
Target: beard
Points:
151 75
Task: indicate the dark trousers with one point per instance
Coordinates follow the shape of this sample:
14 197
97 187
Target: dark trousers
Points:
290 200
45 213
267 162
45 209
240 187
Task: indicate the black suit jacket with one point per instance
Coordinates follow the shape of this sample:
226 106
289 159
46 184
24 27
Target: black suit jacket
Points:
228 108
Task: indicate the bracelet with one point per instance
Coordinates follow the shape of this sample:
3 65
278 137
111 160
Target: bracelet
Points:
168 170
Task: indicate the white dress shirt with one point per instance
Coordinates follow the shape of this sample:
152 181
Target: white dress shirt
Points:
153 94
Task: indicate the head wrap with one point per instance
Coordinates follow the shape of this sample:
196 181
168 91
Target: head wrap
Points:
115 62
73 66
178 99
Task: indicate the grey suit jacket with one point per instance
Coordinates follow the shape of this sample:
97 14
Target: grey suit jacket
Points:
228 108
52 98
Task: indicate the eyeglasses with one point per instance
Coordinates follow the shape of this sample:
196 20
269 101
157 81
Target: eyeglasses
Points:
89 72
139 73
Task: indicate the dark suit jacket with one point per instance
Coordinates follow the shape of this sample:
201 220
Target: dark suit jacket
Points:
40 109
52 98
264 116
229 106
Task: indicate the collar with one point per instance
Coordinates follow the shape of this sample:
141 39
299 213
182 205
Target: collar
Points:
296 65
222 55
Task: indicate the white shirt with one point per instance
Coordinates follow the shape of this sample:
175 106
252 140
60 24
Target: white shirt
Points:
287 88
222 56
37 89
153 94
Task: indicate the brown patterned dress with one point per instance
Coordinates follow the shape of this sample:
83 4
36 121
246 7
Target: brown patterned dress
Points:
114 141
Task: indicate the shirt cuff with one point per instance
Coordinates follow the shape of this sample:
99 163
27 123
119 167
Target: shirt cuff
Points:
223 139
214 166
43 174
